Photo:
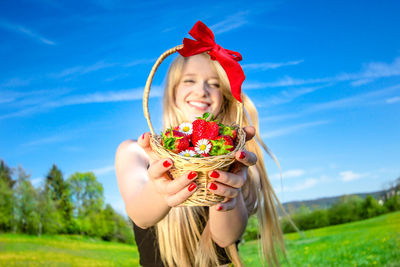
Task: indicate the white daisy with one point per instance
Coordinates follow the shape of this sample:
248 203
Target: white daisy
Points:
203 146
186 128
187 153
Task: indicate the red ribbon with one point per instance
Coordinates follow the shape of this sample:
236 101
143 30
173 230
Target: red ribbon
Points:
228 59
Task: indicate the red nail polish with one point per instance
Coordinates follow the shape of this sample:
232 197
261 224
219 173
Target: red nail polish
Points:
213 186
214 174
242 155
191 187
219 208
166 164
192 175
143 136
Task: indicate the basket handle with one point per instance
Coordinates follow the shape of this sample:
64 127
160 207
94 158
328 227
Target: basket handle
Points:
150 79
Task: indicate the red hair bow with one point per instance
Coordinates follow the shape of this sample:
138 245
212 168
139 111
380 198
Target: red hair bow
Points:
227 58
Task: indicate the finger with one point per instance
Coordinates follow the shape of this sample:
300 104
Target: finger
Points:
181 196
227 205
246 157
250 132
176 185
228 178
144 142
159 168
223 190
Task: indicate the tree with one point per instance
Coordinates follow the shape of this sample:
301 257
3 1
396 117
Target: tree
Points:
51 221
6 174
57 190
27 217
86 193
7 202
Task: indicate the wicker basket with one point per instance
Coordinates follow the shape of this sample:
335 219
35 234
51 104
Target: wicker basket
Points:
203 196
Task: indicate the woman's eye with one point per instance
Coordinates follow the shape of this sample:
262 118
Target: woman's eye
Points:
188 81
216 85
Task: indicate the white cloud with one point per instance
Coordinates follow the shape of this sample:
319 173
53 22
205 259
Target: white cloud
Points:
289 174
369 73
25 31
360 99
287 96
270 65
230 23
81 69
393 100
308 183
291 129
104 170
43 104
347 176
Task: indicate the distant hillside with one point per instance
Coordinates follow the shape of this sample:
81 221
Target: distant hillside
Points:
327 202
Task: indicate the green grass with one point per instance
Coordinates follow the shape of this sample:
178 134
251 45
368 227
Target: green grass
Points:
25 250
373 242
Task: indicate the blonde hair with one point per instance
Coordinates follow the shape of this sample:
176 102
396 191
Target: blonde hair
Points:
183 241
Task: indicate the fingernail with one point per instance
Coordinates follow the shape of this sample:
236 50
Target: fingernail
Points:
219 208
192 175
213 186
214 174
242 155
191 187
143 136
166 164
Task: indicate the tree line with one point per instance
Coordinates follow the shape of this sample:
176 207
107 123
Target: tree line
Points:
349 208
58 206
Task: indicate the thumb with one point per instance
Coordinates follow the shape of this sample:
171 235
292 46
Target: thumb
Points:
144 142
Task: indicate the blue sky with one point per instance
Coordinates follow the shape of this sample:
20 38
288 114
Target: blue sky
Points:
324 75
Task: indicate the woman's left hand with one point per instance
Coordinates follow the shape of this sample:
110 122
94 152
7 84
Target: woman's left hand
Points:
229 184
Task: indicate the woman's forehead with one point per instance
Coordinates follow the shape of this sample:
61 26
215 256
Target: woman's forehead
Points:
199 65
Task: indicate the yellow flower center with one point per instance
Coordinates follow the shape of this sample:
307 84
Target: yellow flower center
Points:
203 147
186 129
187 155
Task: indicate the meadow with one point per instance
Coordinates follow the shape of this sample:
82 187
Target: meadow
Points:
372 242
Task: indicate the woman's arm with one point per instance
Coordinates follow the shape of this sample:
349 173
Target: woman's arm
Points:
228 220
227 227
149 193
142 203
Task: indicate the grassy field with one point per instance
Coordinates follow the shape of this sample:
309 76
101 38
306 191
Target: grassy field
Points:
374 242
24 250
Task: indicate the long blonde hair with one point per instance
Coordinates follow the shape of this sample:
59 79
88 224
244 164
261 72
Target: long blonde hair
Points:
183 240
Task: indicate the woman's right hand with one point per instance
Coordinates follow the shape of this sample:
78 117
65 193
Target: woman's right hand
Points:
174 191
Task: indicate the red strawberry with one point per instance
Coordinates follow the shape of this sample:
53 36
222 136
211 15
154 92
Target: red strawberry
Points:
228 130
222 144
176 143
191 148
203 129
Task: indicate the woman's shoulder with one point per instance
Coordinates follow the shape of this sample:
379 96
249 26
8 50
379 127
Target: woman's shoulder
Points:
132 151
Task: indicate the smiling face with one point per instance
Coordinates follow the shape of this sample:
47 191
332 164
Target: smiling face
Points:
198 90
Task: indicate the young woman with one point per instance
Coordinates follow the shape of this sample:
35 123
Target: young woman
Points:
168 234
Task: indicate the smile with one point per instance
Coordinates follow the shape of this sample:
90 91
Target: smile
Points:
198 105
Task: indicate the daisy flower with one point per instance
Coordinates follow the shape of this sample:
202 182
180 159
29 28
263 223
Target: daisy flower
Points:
186 128
203 146
187 153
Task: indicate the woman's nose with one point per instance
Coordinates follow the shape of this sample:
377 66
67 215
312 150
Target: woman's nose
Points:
203 89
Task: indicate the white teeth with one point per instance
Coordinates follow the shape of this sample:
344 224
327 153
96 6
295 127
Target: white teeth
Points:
198 104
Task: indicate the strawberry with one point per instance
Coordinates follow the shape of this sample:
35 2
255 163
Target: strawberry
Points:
228 130
175 141
222 144
203 129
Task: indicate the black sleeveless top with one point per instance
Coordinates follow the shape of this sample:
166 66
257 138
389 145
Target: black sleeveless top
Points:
149 250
